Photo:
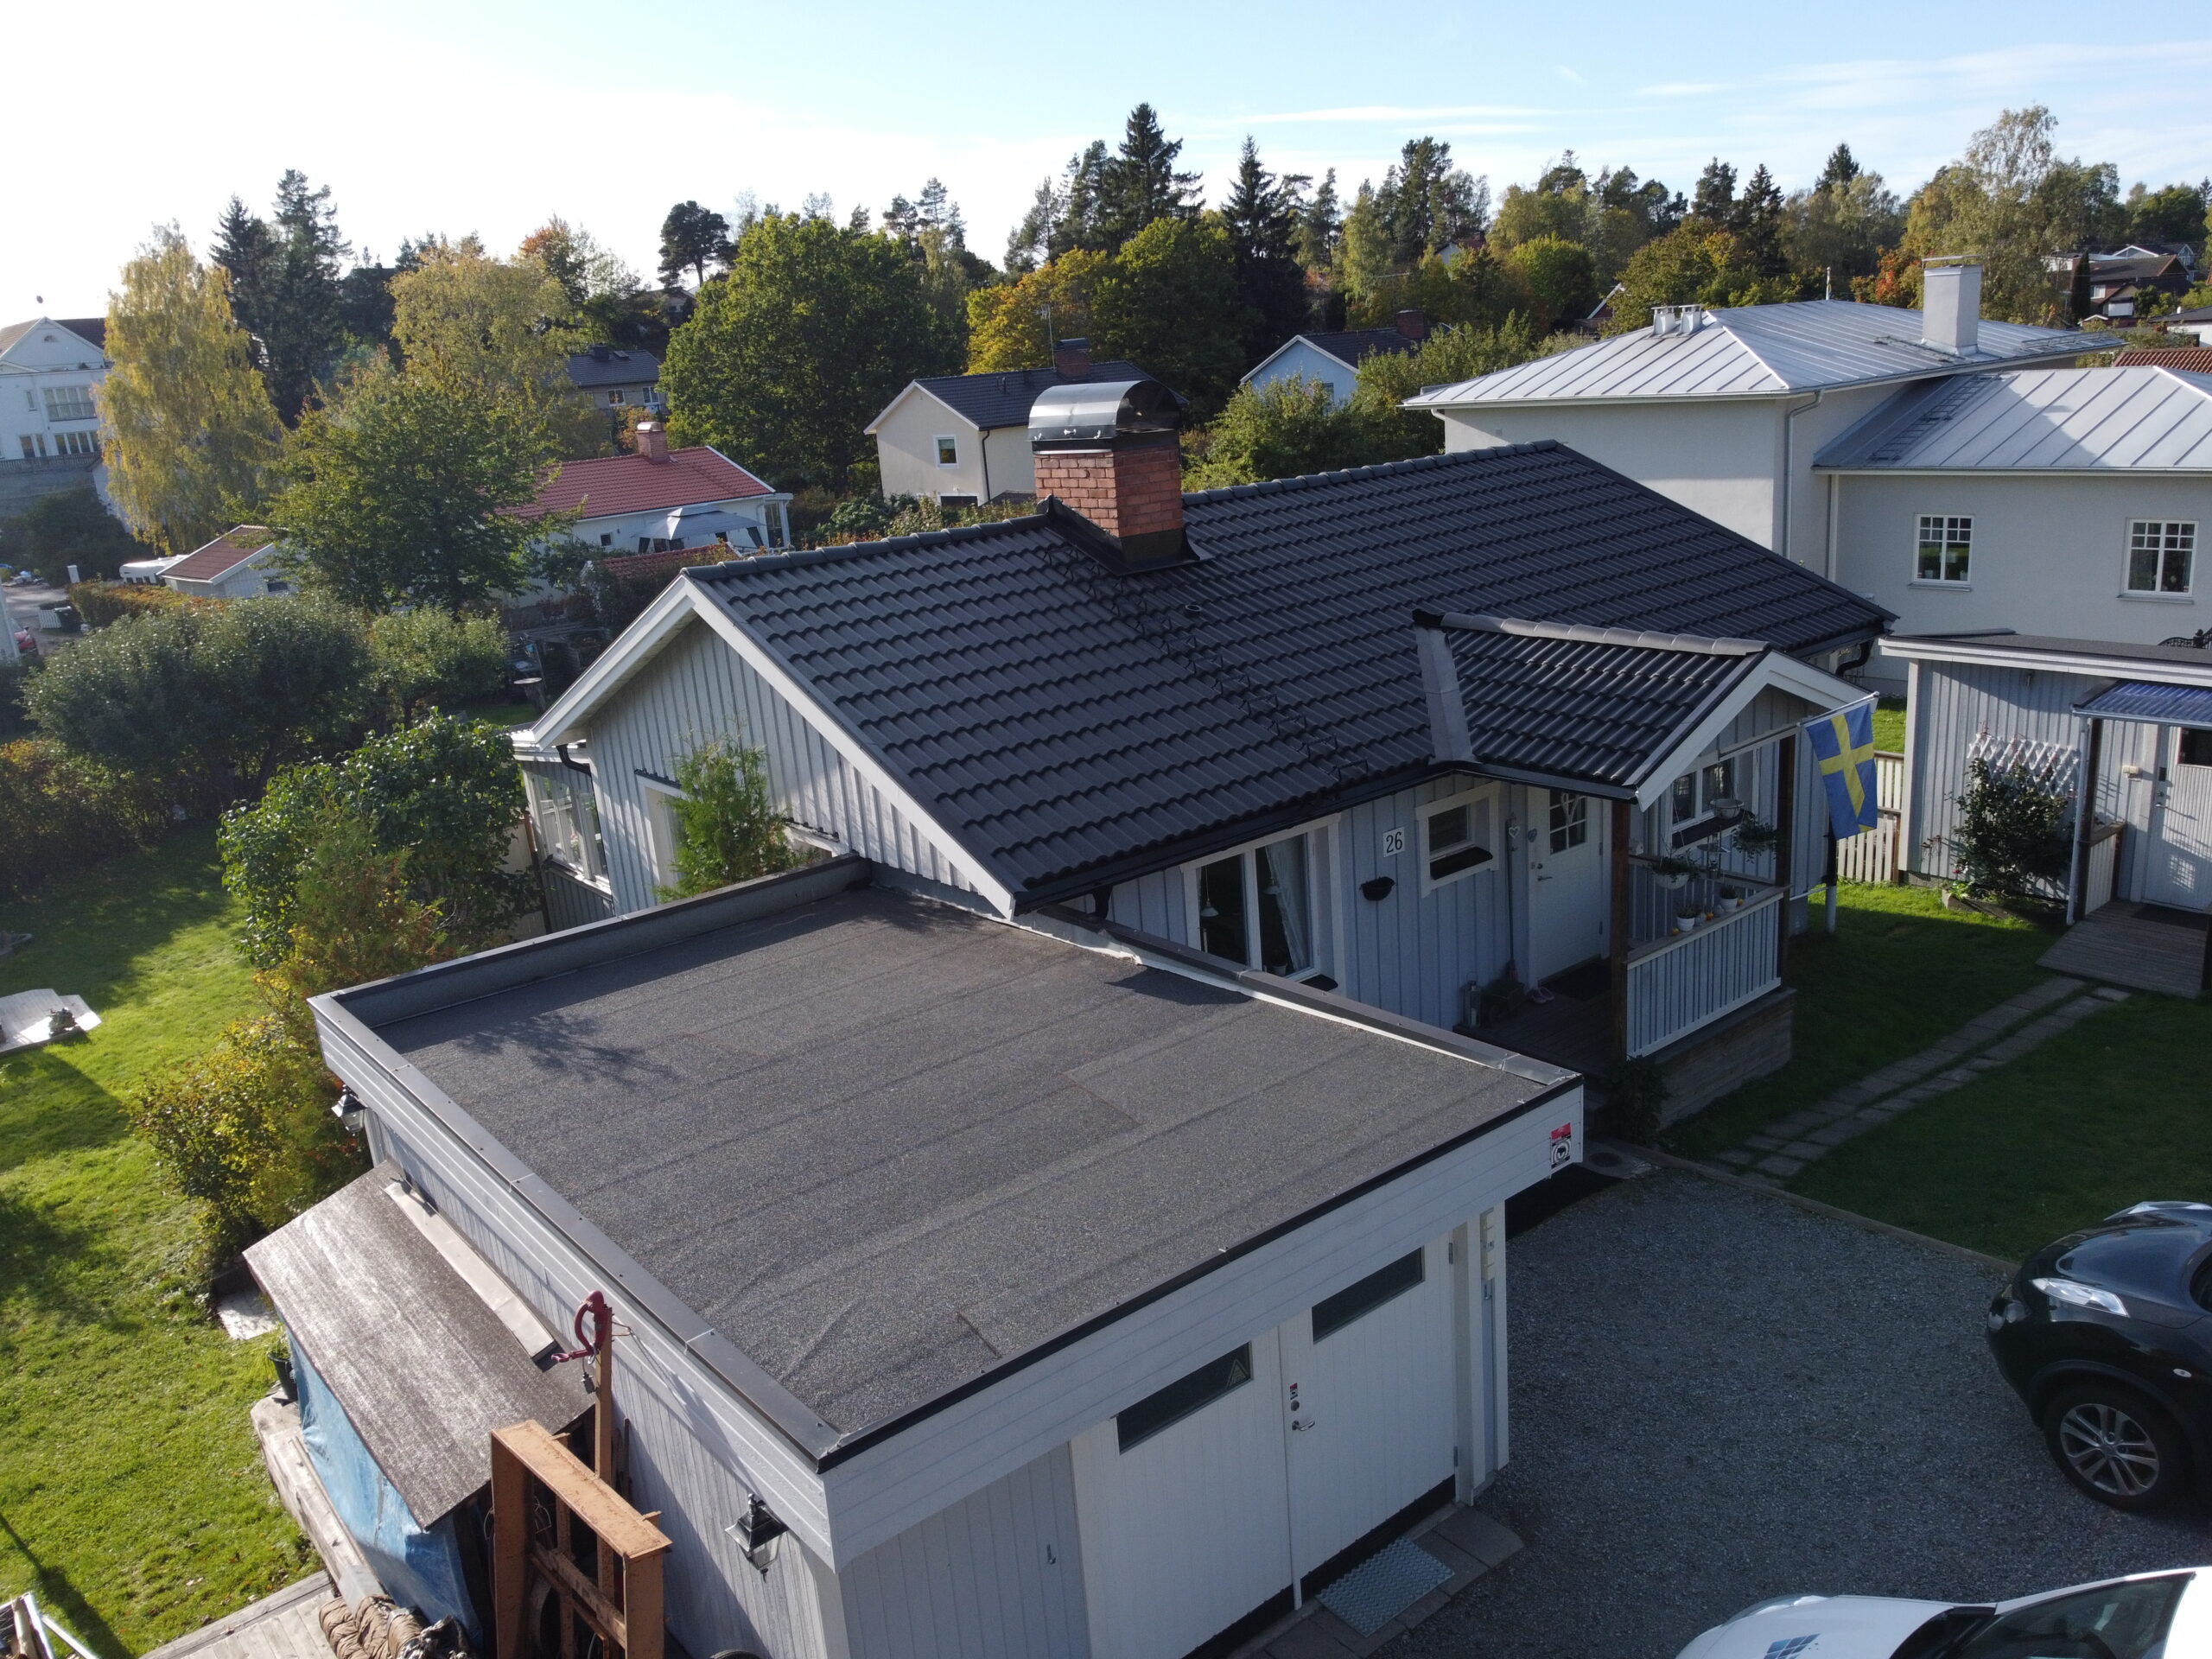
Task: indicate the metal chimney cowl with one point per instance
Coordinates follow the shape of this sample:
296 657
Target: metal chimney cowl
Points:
1950 305
1108 452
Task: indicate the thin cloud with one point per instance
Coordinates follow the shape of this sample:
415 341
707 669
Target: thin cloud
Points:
1682 89
1565 74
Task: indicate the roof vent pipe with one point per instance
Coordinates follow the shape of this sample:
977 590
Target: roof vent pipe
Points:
1670 320
1950 305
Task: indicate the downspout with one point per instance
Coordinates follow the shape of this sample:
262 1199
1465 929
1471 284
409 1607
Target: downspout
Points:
1790 462
986 431
561 749
1835 510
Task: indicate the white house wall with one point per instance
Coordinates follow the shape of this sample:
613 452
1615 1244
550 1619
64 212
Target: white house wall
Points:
2049 556
698 687
696 1452
998 1575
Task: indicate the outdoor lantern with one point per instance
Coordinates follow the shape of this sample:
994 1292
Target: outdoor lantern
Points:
756 1532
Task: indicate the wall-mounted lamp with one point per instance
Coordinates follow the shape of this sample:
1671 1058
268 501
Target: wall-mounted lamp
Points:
1378 888
756 1532
349 1111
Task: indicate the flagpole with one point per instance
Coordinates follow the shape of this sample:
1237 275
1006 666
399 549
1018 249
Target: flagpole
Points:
1831 877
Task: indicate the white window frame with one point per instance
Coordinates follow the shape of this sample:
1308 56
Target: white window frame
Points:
1482 795
1949 523
2166 526
938 442
659 800
541 789
1705 820
1324 963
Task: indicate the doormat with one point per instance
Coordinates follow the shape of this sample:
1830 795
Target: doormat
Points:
1585 984
1384 1586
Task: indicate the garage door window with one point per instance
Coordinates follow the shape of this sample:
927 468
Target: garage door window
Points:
1357 1301
1184 1396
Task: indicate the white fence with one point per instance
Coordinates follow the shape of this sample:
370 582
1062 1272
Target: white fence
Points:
1877 855
1678 985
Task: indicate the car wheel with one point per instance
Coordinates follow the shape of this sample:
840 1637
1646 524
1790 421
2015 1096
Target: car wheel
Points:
2117 1446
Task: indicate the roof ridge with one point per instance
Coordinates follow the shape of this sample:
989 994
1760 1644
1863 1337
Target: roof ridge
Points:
805 556
1379 469
1585 633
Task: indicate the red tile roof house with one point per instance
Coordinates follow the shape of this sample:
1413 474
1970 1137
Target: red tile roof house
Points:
661 499
240 563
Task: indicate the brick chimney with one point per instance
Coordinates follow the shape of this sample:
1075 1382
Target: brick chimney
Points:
1108 452
652 440
1071 359
1412 323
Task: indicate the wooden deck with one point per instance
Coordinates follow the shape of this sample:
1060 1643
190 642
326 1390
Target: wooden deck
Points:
2144 947
282 1626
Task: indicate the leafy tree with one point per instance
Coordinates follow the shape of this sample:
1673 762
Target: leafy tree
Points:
1696 265
2012 831
443 793
613 304
728 827
1612 215
496 330
62 812
1140 183
1447 357
2014 201
214 698
409 491
1169 301
1556 206
935 238
425 660
188 427
68 527
1843 224
1007 323
2175 214
1262 215
793 352
1288 429
1558 277
691 238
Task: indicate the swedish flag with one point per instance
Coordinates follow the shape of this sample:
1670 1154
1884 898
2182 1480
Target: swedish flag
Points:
1844 744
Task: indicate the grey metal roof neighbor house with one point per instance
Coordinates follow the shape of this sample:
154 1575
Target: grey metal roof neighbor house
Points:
2042 421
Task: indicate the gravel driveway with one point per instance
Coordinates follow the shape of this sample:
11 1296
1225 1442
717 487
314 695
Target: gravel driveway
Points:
1718 1397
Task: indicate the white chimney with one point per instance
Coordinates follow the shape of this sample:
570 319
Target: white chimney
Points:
1951 304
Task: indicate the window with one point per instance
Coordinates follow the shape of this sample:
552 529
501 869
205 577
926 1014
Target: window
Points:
2113 1621
2196 748
1256 907
615 397
1944 545
69 404
664 827
1456 838
1333 1313
77 443
2161 555
30 452
605 538
1570 820
1706 793
567 818
1183 1397
948 450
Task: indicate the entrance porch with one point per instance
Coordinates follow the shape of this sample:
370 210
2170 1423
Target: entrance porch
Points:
2144 947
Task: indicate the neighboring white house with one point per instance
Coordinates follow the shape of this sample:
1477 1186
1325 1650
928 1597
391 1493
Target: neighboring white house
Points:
661 499
49 421
964 438
2066 503
1723 410
240 563
1332 359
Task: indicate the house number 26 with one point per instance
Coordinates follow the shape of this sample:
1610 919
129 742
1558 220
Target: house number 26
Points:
1394 842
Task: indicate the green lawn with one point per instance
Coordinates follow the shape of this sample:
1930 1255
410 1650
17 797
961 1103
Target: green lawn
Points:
2114 1111
133 1498
1889 725
504 716
1899 972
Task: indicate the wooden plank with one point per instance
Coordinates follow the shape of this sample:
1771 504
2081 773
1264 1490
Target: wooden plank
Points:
510 1547
591 1500
599 1611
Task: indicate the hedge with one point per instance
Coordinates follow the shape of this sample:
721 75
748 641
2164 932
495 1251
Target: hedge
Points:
99 603
61 814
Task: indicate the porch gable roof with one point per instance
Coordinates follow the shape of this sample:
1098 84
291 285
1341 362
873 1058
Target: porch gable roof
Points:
1614 712
2153 703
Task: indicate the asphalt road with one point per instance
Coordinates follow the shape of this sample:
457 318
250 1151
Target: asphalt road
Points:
1717 1397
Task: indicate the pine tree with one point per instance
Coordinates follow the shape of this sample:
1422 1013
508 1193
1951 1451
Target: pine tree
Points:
1084 196
1263 217
1140 184
1714 200
1758 223
1842 168
246 248
1426 204
691 238
1319 223
302 330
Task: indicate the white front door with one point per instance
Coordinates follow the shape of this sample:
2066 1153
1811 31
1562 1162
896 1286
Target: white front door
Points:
1566 880
1368 1387
2178 850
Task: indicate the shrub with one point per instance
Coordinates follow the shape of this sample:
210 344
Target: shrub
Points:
728 827
425 660
445 793
99 603
60 813
2011 837
1288 428
69 527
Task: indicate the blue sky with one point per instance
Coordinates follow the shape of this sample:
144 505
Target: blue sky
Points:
461 117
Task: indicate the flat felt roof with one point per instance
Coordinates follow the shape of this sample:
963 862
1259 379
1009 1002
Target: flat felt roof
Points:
885 1146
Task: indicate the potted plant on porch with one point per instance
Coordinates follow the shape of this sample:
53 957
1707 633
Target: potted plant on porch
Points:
1671 873
1754 837
1687 917
1731 897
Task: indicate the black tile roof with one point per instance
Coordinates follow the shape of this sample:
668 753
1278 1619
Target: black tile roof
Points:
887 1148
1069 726
1599 706
1355 346
612 367
992 401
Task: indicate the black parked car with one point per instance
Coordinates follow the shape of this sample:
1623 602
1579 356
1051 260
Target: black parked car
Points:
2107 1335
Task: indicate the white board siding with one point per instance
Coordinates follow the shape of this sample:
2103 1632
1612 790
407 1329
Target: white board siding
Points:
998 1575
887 1487
695 1451
698 687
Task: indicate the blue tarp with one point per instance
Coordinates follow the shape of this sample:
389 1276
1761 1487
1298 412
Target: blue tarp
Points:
419 1569
2170 705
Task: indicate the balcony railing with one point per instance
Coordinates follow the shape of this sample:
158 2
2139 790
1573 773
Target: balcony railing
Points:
1678 982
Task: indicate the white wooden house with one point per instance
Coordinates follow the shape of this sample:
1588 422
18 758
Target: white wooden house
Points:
1220 719
243 562
973 1301
661 498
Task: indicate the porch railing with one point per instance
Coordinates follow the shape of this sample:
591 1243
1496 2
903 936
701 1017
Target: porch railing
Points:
1678 983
